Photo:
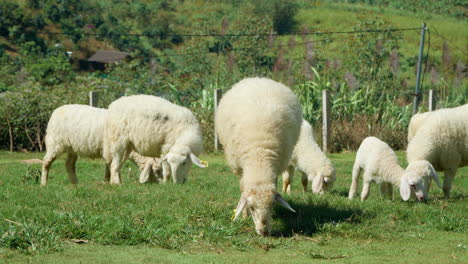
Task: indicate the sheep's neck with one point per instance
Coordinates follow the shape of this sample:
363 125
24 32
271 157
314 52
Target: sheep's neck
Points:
259 174
392 172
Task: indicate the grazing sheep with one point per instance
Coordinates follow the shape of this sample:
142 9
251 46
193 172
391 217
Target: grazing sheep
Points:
150 126
311 161
380 165
258 123
442 140
78 131
415 123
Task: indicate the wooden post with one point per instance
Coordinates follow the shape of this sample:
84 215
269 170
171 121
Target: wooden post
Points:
432 100
217 96
326 119
93 98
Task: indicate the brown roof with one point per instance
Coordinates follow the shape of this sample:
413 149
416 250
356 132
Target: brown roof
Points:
108 56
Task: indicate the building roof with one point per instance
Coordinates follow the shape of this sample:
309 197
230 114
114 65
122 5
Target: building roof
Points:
108 56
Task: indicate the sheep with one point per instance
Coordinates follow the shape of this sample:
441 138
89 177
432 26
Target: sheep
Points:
311 161
78 131
415 123
150 126
442 141
380 165
258 123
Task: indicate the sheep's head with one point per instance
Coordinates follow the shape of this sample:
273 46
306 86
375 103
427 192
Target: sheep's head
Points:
180 159
152 171
417 179
323 181
260 205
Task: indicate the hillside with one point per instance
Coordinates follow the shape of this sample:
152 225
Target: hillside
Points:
365 54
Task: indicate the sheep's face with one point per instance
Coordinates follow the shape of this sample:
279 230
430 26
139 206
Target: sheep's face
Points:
328 180
180 159
260 207
180 165
418 186
260 203
417 180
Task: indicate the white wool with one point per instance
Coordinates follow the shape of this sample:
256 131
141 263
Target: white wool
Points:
258 123
380 165
310 160
152 126
77 130
415 123
442 140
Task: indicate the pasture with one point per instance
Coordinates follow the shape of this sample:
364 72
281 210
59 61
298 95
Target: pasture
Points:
191 223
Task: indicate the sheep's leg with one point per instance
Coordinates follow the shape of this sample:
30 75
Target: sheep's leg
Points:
448 180
46 163
287 179
304 181
366 185
354 182
70 165
386 190
166 171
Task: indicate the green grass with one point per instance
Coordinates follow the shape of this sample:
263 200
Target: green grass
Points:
135 223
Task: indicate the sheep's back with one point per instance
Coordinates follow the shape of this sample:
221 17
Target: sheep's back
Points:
258 119
77 128
152 124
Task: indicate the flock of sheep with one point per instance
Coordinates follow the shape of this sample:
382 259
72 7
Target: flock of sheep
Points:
259 123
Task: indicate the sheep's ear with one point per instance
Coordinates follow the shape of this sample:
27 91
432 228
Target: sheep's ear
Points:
145 173
434 175
405 191
283 202
197 161
317 184
240 206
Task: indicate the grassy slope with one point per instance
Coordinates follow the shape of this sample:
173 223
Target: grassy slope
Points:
191 223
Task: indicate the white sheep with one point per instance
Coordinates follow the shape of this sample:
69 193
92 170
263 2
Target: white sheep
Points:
380 165
415 123
258 123
310 160
78 131
442 140
151 126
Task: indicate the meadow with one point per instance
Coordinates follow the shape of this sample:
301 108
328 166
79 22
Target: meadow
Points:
94 222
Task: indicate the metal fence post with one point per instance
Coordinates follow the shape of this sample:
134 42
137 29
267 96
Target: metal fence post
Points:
326 119
417 94
93 98
432 100
217 96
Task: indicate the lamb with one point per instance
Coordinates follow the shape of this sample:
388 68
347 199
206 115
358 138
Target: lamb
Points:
78 131
258 123
150 126
442 141
380 165
311 161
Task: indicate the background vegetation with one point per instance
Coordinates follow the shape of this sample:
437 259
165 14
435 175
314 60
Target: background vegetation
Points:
370 74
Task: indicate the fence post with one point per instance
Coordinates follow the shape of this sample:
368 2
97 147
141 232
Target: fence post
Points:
417 94
93 98
432 100
326 119
217 96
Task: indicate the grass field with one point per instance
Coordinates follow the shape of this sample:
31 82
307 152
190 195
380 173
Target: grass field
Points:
191 223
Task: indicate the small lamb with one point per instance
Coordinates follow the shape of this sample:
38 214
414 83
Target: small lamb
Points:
312 162
380 165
